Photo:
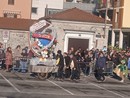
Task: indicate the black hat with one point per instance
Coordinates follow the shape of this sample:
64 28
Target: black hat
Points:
59 51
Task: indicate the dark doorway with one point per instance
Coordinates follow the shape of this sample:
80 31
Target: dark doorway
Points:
76 43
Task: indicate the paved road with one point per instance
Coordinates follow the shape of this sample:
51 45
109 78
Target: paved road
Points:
21 85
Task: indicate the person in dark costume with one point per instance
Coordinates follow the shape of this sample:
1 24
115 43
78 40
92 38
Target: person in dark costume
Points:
100 67
67 65
74 68
60 64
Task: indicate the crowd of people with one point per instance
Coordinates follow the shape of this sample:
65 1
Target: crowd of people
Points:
100 62
73 63
8 57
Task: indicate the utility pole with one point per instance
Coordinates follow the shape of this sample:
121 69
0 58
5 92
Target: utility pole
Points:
105 21
106 11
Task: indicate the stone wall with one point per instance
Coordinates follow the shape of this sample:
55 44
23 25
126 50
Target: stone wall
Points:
15 38
61 26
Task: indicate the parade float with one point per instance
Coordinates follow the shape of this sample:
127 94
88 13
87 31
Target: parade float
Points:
42 44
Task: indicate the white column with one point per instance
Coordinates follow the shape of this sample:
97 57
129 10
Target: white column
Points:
113 39
120 39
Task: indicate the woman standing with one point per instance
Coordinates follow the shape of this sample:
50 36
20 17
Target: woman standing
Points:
17 55
9 58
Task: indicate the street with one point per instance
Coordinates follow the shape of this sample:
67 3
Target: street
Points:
22 85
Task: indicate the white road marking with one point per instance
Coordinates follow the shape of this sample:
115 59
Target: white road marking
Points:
67 94
61 87
107 90
10 83
3 97
69 83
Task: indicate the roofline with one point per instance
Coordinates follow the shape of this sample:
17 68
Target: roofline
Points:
77 22
13 29
77 31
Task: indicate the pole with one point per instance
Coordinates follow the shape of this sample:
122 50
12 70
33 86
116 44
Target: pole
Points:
106 11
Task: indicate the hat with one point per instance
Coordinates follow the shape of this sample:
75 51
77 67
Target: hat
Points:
59 51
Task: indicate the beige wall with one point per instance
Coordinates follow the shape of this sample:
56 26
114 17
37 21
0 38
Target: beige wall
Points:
126 14
22 6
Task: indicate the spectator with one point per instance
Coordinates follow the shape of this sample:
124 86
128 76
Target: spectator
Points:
17 55
9 59
2 57
23 61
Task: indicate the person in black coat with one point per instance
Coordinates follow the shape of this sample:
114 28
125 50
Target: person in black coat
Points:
2 57
75 71
101 64
60 64
67 65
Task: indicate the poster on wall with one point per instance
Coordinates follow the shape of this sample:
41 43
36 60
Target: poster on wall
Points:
5 36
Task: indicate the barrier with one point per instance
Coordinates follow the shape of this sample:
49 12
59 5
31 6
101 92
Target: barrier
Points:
90 67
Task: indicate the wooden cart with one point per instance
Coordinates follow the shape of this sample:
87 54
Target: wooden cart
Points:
43 71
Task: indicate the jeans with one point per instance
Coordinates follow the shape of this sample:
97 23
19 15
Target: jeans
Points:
23 66
17 63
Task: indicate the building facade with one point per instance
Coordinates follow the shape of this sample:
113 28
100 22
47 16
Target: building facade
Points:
15 8
41 8
15 32
118 13
121 25
77 28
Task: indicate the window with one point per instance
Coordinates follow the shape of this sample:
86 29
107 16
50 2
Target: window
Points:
10 2
34 10
10 15
52 11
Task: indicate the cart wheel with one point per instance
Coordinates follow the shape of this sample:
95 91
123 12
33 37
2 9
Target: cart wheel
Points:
42 75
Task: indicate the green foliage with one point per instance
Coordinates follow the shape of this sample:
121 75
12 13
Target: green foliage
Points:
115 48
